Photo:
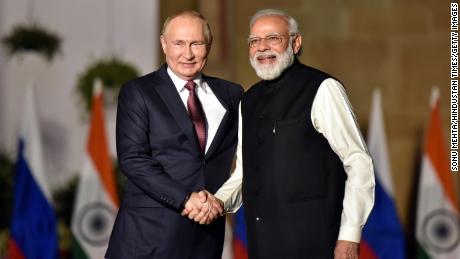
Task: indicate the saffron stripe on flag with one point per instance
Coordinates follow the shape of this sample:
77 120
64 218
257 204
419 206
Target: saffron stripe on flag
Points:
97 200
98 147
437 224
436 151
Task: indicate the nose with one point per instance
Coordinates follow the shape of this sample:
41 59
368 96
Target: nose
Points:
263 45
189 53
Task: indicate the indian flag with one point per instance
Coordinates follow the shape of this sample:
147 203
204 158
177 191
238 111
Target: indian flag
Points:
437 226
96 201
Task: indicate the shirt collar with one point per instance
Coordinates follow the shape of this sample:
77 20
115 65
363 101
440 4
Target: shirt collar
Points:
179 83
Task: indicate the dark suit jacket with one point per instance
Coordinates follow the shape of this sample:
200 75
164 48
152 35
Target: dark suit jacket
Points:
159 154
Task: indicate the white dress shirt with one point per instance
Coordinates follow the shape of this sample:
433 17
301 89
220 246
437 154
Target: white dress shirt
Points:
332 116
213 109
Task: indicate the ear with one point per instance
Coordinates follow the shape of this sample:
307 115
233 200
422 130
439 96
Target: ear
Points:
163 43
297 43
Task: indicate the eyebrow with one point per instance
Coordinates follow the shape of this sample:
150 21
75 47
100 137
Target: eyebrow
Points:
268 34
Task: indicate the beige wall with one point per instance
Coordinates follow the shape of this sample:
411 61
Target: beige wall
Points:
89 31
403 47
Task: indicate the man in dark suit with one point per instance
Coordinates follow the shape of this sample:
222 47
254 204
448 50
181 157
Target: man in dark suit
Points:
176 138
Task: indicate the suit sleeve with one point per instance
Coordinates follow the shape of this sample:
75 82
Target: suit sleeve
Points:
134 152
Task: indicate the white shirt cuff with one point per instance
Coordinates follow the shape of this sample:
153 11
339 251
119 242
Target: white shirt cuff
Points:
348 233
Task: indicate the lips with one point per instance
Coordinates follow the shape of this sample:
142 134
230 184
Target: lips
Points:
262 57
188 64
266 58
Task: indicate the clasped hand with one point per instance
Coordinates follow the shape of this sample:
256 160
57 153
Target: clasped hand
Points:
203 207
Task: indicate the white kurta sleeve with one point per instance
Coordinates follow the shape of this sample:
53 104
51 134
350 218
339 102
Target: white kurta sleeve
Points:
230 192
333 117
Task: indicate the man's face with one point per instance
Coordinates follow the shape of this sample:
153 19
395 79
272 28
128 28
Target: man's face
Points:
185 46
271 50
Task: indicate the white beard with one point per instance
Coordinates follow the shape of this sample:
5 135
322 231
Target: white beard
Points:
272 71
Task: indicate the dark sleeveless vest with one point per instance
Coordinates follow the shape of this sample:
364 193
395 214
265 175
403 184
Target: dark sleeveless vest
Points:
293 182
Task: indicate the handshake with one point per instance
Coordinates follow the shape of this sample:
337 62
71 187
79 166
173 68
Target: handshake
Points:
203 207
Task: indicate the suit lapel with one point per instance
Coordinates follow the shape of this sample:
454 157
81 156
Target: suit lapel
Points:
172 99
219 133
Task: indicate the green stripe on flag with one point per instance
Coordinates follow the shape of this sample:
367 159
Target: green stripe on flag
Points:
77 251
421 254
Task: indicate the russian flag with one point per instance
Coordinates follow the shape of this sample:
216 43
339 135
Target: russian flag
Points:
33 229
383 235
240 242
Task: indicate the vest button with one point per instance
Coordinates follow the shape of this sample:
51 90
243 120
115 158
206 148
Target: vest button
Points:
258 219
259 141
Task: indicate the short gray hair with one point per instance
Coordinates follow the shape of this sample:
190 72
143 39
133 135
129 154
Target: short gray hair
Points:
292 23
193 14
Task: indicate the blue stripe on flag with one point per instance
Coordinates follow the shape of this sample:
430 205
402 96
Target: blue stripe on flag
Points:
383 231
240 227
34 222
